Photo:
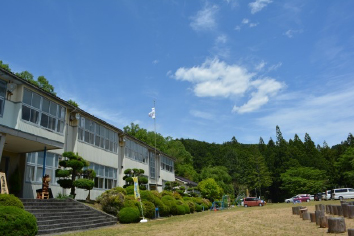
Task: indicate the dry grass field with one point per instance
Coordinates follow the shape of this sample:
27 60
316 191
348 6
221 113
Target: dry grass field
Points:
272 219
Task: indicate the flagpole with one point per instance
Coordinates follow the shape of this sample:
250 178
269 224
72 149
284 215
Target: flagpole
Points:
155 146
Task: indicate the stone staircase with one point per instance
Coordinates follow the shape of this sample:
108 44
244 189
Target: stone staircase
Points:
56 216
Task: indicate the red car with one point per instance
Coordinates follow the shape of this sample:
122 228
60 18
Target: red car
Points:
252 201
302 198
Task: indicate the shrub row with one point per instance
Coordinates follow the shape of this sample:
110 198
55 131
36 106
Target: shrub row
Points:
121 202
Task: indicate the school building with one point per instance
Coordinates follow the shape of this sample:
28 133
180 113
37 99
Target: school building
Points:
36 127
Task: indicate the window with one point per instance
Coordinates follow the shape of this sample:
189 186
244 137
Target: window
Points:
2 97
136 151
152 165
97 135
34 166
41 111
106 177
166 164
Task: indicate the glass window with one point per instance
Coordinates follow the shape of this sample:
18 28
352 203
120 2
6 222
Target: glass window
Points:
42 111
2 96
152 165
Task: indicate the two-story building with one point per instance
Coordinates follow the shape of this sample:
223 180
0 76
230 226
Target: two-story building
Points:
36 127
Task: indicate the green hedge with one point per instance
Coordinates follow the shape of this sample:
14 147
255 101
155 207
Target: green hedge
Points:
112 200
15 221
10 200
198 208
149 209
129 215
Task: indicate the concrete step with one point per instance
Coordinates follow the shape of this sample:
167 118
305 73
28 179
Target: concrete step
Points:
55 216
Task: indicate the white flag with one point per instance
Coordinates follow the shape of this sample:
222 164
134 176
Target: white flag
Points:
152 113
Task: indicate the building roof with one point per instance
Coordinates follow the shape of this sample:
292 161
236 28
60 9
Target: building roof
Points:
186 181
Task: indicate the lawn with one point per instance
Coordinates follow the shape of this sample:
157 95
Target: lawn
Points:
272 219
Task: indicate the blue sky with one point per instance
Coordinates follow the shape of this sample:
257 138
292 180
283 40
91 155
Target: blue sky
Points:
216 69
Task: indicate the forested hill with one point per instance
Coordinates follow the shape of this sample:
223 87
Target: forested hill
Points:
274 170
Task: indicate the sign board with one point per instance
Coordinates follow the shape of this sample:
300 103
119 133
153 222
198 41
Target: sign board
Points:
3 184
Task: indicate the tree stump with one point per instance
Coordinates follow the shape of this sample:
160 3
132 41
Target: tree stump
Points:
336 225
350 232
322 207
312 217
306 216
302 211
318 214
351 211
323 221
334 210
339 210
328 211
294 210
345 209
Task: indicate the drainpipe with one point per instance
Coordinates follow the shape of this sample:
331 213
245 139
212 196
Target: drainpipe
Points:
44 157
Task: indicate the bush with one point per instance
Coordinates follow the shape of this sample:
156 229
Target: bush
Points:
198 208
10 200
177 196
112 200
180 210
171 203
16 221
187 210
131 203
191 205
163 209
149 209
164 193
130 190
147 195
129 215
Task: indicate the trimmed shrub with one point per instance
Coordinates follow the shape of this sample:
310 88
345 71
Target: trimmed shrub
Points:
191 205
180 210
112 200
149 209
187 210
156 193
164 193
171 203
130 190
129 215
131 203
177 196
163 209
16 221
10 200
198 208
147 195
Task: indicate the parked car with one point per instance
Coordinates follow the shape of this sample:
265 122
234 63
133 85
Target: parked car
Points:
327 195
252 201
342 193
318 197
302 198
288 200
312 197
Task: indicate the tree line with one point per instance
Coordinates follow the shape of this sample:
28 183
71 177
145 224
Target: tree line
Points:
274 170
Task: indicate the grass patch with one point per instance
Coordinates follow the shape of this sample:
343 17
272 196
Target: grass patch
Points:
272 219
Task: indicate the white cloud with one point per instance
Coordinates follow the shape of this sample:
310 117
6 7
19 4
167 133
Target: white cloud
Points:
290 33
328 116
238 28
265 88
215 78
221 39
258 5
245 21
155 62
261 65
275 67
202 114
253 25
205 19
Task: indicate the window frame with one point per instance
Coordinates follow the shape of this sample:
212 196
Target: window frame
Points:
40 114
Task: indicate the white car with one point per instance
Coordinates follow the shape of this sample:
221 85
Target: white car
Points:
290 200
312 197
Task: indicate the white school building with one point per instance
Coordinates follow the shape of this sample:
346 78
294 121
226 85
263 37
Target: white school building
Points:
36 127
